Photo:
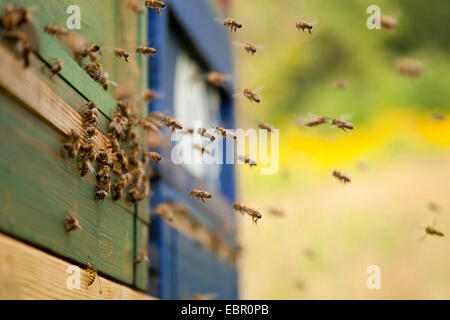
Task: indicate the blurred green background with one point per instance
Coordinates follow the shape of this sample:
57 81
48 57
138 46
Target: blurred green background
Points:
398 156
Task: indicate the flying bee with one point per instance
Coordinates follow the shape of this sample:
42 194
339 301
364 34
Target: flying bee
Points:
77 44
149 95
73 145
314 121
240 207
201 148
388 23
249 47
186 131
432 231
247 160
120 53
204 133
172 123
165 211
14 16
217 79
277 212
266 126
255 214
200 195
155 5
135 5
150 124
252 95
342 124
409 67
434 206
95 48
438 116
57 67
230 23
55 30
226 134
155 156
340 83
71 223
147 51
300 24
341 177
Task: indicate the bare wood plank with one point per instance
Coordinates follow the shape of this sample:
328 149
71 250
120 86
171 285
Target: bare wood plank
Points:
28 273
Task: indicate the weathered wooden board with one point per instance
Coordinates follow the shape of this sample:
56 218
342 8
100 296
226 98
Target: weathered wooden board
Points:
39 188
29 273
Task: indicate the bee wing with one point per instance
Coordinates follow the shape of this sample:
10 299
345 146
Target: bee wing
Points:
237 95
239 44
346 116
314 22
219 20
259 47
258 89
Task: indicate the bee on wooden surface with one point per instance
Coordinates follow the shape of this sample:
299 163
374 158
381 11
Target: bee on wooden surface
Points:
300 24
92 274
252 95
14 16
409 67
87 150
71 223
141 256
341 177
135 5
117 124
101 194
226 134
247 160
104 171
432 231
128 132
90 130
230 23
388 23
94 70
147 51
240 207
104 158
266 126
217 79
120 53
204 133
84 165
255 214
200 195
90 113
314 121
155 5
117 189
201 148
340 83
72 146
53 30
249 47
57 67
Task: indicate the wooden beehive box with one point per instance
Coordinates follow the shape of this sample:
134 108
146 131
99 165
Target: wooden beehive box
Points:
39 187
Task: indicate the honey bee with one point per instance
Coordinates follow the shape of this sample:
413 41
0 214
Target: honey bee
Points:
150 124
128 132
186 131
432 231
226 134
240 207
104 158
120 53
84 166
204 133
409 67
90 130
314 121
71 223
340 83
201 148
341 177
147 51
149 95
255 214
73 145
90 113
277 212
96 48
57 67
117 124
438 116
434 206
165 211
141 256
55 30
388 23
124 107
266 126
94 70
155 5
77 44
103 172
101 194
342 124
249 47
14 16
230 23
217 79
171 123
135 5
120 185
200 195
155 156
248 161
300 24
252 95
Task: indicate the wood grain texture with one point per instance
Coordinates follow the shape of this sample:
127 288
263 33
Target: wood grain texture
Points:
29 273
